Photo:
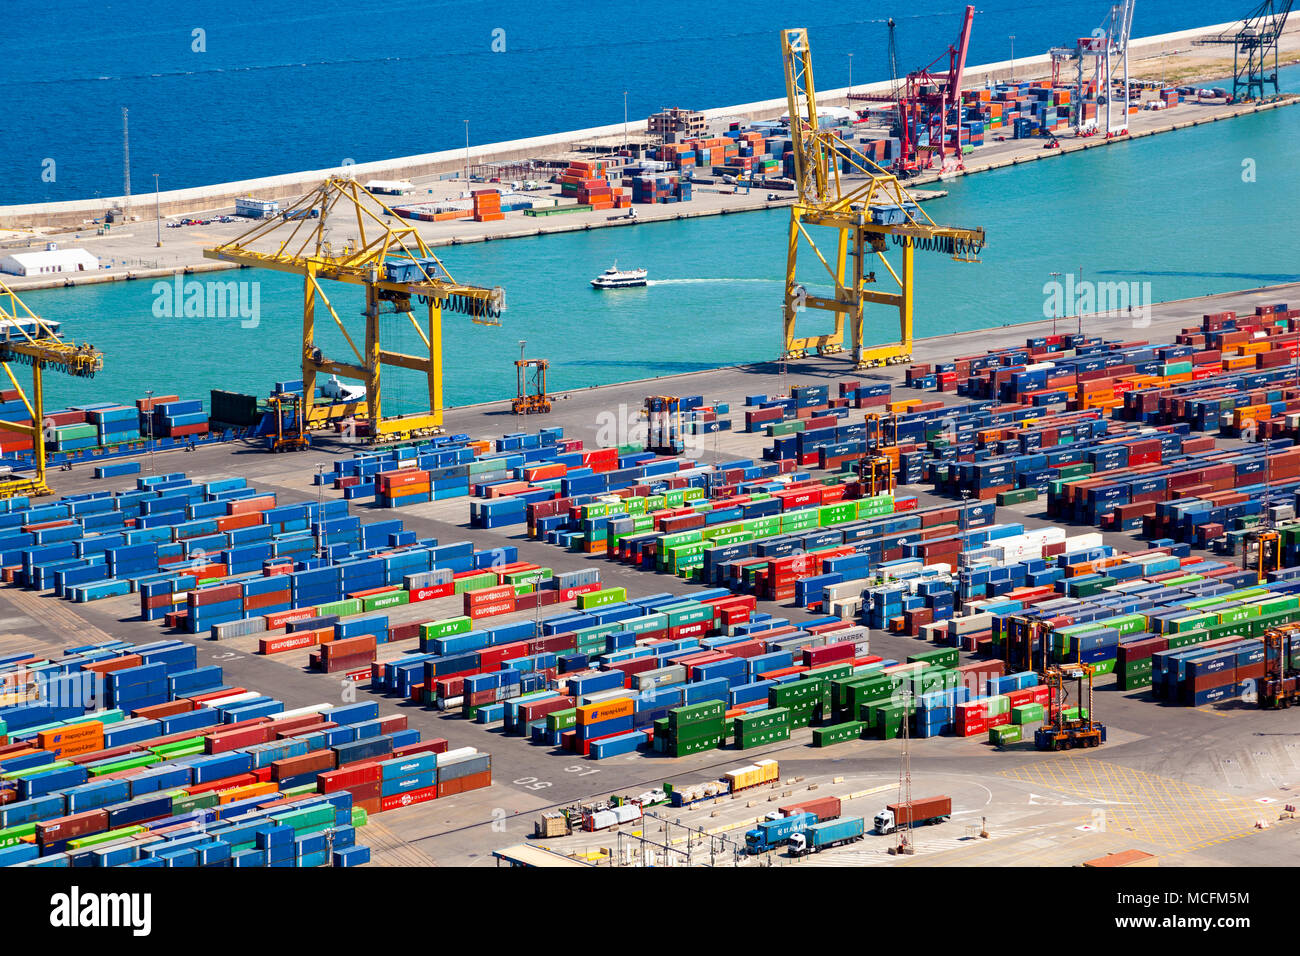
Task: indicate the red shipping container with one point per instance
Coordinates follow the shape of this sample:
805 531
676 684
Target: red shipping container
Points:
409 798
279 619
315 762
290 642
345 778
241 780
69 827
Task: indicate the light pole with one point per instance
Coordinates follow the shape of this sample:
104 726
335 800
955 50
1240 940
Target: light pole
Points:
1077 309
625 121
149 426
1012 38
466 152
157 209
320 508
850 79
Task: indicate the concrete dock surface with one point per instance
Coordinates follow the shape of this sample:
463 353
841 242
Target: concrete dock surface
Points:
1191 785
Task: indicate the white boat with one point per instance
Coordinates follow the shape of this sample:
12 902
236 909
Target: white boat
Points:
615 278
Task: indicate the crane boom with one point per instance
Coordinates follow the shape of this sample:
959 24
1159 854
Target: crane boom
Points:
392 263
1252 43
27 339
869 215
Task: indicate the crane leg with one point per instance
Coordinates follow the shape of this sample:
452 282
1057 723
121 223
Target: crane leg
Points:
791 303
435 362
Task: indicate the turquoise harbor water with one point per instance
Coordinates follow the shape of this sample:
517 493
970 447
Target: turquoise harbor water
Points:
1170 210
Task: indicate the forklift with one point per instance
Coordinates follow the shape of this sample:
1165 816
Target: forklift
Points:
1026 642
1066 733
663 425
293 436
1280 686
1262 552
531 372
875 468
1027 646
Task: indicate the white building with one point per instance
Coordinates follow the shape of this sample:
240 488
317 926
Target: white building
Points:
48 262
836 114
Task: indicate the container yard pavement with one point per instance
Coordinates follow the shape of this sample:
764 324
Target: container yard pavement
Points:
1183 783
131 250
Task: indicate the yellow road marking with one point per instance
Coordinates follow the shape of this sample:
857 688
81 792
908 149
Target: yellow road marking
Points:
1156 809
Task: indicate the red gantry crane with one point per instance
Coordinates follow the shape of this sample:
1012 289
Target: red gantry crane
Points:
931 102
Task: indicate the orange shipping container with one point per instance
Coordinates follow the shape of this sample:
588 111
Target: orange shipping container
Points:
73 740
605 710
246 791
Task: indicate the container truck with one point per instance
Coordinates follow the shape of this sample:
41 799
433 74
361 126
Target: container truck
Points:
822 836
917 812
771 834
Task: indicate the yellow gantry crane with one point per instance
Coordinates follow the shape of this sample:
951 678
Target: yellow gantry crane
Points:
393 264
26 339
866 216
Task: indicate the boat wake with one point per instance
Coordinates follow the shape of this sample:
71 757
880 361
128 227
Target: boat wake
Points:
698 281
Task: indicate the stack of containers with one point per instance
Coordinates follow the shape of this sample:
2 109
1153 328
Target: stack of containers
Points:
69 430
177 419
13 409
115 423
404 486
606 719
119 787
487 206
692 729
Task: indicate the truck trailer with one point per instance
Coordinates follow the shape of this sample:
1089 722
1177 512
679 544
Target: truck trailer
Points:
823 808
917 812
822 836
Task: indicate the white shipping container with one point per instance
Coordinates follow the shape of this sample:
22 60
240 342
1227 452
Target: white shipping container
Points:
1083 542
458 755
303 711
968 624
233 698
846 609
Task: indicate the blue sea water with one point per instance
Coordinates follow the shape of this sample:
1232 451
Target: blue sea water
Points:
1172 210
246 88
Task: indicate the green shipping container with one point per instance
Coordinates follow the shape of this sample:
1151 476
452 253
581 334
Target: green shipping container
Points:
562 720
759 738
1026 714
454 625
342 608
602 597
692 713
694 747
747 724
11 836
838 734
377 602
1007 734
944 657
793 692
